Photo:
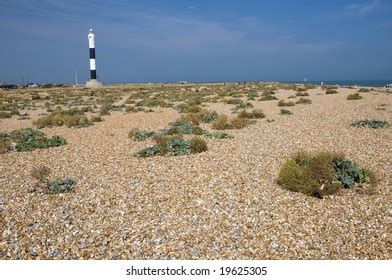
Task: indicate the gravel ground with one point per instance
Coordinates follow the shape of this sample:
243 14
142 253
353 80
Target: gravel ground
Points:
220 204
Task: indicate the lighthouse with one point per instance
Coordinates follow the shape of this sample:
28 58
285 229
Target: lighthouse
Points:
93 82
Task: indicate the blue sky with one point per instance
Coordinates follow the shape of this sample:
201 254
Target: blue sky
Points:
166 41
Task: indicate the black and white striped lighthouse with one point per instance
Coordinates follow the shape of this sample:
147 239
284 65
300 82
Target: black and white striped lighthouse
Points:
93 68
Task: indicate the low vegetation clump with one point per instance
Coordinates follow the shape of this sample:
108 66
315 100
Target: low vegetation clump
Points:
28 139
371 123
140 135
41 176
304 101
147 152
173 145
284 111
198 145
322 173
218 135
235 101
382 107
302 93
255 114
354 96
153 102
252 95
67 118
331 91
283 103
182 126
131 109
223 122
244 105
188 108
209 117
5 115
268 97
363 90
104 111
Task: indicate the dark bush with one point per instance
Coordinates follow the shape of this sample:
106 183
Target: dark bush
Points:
255 114
5 115
268 97
331 91
198 145
218 135
355 96
283 103
284 111
371 123
304 101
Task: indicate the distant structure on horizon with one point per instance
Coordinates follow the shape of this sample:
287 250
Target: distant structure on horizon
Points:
93 82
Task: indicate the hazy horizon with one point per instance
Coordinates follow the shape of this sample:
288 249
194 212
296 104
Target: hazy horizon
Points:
196 41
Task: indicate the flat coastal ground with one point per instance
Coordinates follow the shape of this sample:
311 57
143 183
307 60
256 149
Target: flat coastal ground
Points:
220 204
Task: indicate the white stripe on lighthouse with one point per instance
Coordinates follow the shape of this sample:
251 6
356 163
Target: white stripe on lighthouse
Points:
91 37
92 64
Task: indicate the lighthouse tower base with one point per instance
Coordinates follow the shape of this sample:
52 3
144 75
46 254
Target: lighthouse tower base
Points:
93 83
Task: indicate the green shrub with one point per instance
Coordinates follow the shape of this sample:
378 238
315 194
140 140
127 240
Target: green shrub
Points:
162 141
209 117
363 90
283 103
147 152
182 126
349 174
41 175
173 145
322 173
244 105
140 135
62 185
371 123
28 139
304 101
284 111
71 118
179 147
355 96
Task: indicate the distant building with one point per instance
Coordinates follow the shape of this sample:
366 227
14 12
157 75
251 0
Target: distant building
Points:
6 87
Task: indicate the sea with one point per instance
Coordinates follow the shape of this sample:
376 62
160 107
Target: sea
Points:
363 83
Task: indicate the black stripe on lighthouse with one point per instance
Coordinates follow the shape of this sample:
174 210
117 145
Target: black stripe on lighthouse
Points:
93 74
92 53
